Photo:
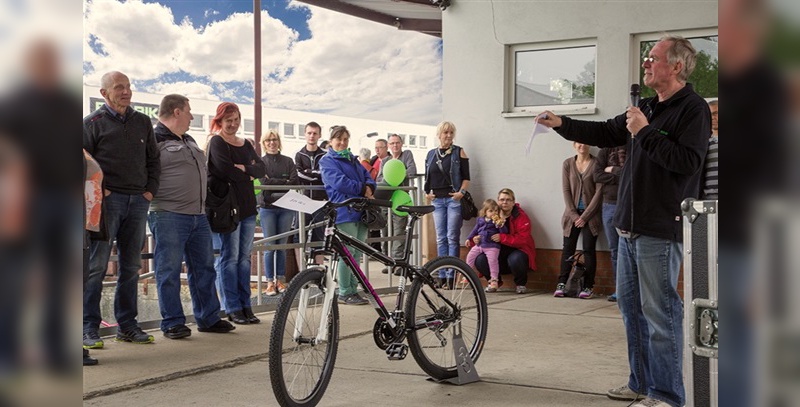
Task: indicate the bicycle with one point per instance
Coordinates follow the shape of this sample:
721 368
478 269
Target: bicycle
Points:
305 332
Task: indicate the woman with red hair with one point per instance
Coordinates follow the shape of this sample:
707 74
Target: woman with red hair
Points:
232 161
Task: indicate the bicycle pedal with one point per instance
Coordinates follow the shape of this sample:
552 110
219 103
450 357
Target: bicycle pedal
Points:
397 351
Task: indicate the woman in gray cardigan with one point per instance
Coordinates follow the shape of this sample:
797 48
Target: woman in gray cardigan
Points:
582 215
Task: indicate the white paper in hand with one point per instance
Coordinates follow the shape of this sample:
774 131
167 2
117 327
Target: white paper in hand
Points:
299 202
537 129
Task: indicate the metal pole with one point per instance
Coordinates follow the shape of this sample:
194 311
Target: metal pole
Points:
257 74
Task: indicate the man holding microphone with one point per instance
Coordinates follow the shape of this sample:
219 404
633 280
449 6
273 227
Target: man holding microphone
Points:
667 139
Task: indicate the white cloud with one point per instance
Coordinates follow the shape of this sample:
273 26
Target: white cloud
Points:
210 12
349 66
192 90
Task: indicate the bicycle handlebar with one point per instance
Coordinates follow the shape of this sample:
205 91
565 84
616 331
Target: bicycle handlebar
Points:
361 202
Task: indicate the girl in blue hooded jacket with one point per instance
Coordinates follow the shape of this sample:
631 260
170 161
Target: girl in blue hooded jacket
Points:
344 178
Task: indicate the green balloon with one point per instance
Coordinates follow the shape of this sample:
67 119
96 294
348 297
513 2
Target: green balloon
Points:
400 198
394 172
257 182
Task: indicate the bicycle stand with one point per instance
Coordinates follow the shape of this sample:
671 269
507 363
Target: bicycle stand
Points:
466 368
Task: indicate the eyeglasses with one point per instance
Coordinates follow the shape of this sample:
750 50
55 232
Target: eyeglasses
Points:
394 143
649 59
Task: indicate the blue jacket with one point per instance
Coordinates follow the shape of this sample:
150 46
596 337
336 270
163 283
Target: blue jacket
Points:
485 229
455 168
344 178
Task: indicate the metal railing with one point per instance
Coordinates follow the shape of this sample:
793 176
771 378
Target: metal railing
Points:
266 243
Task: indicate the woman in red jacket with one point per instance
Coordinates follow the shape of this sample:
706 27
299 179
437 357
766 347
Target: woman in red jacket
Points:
517 248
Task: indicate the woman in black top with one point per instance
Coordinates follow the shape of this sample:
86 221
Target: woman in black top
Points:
233 161
446 180
275 220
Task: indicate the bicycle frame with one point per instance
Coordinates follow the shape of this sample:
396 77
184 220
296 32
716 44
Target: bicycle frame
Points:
335 241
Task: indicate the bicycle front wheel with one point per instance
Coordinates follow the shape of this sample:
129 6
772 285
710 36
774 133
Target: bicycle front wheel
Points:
434 321
300 363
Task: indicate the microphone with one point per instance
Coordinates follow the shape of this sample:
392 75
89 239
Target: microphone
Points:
635 93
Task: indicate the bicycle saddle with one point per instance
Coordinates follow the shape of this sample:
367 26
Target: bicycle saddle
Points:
417 210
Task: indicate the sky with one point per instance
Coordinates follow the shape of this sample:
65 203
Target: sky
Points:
313 59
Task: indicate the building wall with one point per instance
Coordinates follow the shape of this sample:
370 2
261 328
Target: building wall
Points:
475 37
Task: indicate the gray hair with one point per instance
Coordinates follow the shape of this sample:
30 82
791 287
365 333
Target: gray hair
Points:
681 50
364 153
169 103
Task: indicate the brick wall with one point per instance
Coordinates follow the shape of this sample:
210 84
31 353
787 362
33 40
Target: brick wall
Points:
548 263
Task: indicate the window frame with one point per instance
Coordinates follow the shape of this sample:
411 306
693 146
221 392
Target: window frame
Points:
636 40
285 134
509 108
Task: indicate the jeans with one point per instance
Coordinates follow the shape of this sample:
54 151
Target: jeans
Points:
126 219
611 234
275 221
180 237
399 224
447 221
589 256
652 312
348 284
512 261
233 265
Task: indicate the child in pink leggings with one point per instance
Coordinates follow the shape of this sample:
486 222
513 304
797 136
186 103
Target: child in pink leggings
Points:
489 224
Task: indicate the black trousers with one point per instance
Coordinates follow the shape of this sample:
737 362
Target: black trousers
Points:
512 261
589 257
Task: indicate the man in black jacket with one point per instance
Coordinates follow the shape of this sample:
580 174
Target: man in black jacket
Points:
308 173
667 139
122 141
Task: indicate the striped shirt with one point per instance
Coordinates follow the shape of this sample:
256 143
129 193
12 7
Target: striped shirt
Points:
711 184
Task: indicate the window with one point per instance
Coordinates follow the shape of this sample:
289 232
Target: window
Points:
273 126
288 130
249 126
559 77
423 141
197 122
412 140
704 76
301 130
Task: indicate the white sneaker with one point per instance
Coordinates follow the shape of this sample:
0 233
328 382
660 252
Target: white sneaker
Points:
624 393
648 402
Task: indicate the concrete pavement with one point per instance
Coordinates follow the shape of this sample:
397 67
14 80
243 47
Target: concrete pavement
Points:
540 351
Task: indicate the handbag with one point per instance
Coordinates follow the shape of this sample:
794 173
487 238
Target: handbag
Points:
575 279
468 208
374 218
222 211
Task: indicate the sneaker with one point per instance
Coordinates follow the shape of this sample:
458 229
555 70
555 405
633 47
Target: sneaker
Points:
560 289
648 402
492 287
281 287
220 327
355 299
271 289
134 335
178 332
88 360
586 293
624 393
91 340
612 297
521 289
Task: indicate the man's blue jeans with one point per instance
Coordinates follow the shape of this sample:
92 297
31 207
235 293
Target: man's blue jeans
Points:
275 221
652 312
126 219
233 265
611 234
447 221
178 237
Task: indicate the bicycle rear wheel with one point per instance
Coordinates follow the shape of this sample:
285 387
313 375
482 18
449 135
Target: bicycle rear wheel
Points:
300 367
431 342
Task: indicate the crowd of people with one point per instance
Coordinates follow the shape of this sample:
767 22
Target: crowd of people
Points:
653 156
